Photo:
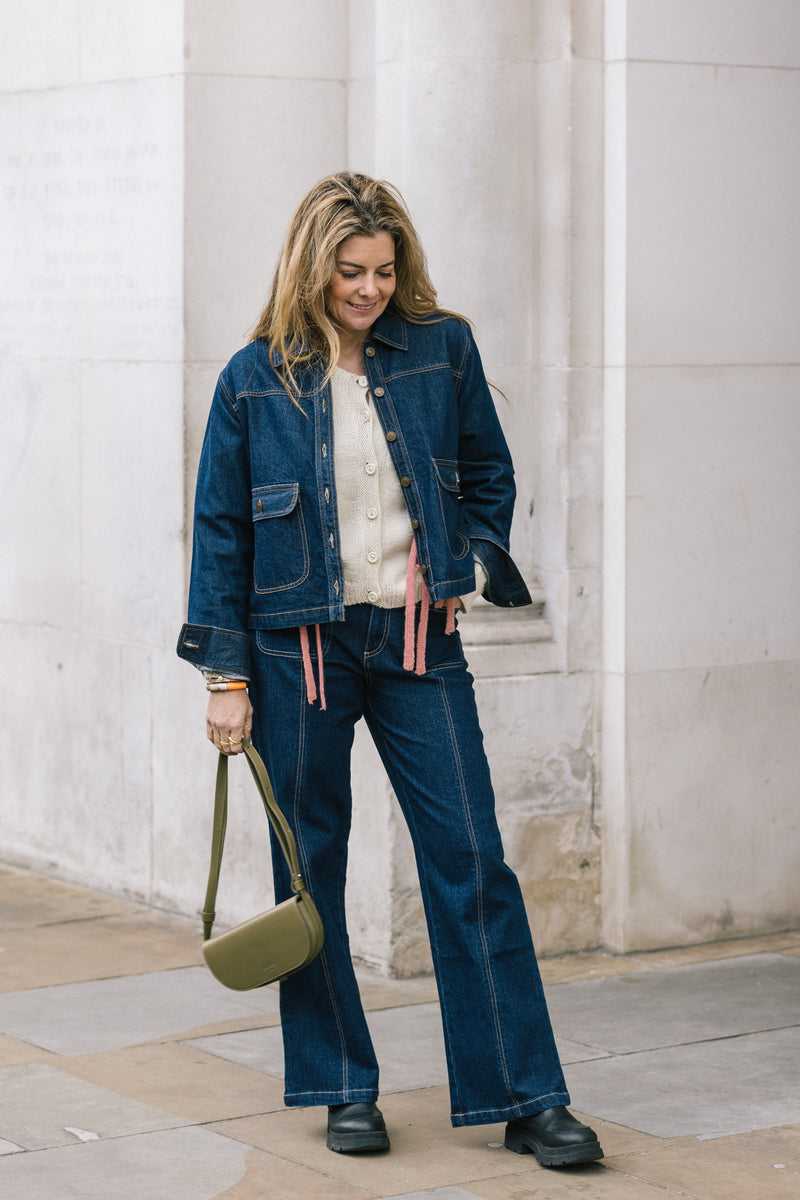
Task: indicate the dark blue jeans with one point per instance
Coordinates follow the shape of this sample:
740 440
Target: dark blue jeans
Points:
501 1055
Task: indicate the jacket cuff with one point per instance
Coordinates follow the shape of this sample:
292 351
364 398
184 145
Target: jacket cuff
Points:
505 586
210 649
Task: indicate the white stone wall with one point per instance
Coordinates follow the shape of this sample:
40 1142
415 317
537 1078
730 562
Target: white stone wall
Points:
702 490
152 154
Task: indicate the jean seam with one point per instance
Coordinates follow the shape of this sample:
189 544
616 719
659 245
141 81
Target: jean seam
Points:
384 635
301 848
422 872
479 892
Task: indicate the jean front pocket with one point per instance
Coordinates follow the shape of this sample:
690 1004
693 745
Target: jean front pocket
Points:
280 551
285 642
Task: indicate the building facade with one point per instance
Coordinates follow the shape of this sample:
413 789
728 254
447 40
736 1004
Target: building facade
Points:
608 191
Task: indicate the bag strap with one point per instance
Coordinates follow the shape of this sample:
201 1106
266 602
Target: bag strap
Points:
279 824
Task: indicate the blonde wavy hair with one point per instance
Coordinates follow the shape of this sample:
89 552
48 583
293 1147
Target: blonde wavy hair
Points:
295 322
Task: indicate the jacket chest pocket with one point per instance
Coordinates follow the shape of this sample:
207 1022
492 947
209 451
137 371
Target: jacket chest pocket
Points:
449 488
280 557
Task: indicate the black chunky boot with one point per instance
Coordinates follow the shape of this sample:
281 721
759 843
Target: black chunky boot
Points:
555 1137
355 1127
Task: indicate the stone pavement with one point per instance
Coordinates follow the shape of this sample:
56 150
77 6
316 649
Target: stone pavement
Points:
128 1073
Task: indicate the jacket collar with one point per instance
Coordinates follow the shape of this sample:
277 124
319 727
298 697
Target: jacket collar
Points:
390 329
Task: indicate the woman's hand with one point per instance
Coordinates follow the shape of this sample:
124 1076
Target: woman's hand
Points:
229 718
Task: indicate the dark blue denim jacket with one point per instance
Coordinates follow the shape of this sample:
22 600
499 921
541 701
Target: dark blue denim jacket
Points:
266 534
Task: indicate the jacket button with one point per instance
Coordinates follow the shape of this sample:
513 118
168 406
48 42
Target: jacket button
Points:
414 523
380 392
370 351
423 570
259 506
391 436
405 481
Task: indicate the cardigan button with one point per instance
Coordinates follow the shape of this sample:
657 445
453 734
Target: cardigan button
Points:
391 436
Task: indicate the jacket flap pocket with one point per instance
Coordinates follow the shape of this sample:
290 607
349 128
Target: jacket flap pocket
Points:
447 474
274 500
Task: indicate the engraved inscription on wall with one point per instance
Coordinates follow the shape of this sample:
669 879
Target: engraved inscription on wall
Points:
90 212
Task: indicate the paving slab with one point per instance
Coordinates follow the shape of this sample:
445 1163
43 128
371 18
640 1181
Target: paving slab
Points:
180 1079
13 1051
378 992
594 1181
105 947
426 1151
83 1018
443 1193
677 1005
753 1166
682 956
182 1164
733 1085
29 900
269 1177
408 1042
41 1107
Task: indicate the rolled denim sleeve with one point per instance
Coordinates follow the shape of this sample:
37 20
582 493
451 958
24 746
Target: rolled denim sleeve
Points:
215 636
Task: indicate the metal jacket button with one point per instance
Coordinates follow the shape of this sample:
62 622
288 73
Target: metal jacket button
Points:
414 523
423 570
391 436
380 392
405 481
370 351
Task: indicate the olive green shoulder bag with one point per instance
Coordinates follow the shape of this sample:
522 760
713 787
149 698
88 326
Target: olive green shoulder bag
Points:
276 943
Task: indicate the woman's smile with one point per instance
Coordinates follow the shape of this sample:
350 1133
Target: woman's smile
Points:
363 283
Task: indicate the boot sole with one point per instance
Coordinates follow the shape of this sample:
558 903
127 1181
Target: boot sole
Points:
356 1143
552 1156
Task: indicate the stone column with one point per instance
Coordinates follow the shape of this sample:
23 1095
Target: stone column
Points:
473 108
153 151
91 127
702 644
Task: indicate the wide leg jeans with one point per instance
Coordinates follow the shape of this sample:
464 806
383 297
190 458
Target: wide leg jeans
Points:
501 1056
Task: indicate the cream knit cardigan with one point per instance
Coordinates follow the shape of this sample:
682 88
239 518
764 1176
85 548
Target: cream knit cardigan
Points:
374 526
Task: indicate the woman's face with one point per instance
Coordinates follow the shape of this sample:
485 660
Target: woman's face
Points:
363 283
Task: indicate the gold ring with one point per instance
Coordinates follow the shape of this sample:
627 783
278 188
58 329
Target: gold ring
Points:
233 742
224 742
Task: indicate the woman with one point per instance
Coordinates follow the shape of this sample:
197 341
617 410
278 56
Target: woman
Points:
354 489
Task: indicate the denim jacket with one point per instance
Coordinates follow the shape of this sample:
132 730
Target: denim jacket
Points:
266 537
